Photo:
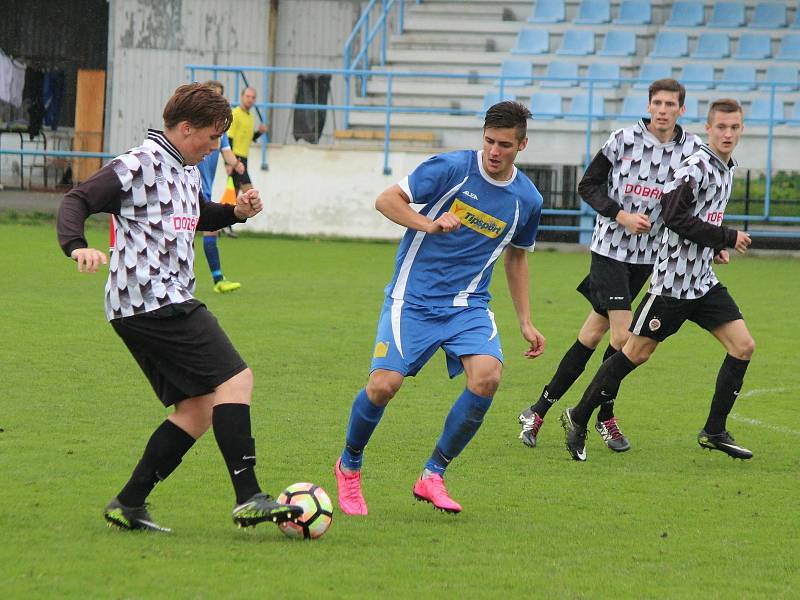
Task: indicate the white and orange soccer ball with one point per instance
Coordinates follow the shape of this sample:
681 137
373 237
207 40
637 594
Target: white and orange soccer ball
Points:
317 511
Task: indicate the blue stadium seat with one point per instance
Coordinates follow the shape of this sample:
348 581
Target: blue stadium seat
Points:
603 71
686 14
759 111
649 72
546 105
532 41
492 97
790 47
744 77
634 12
712 45
548 11
580 106
520 70
561 69
670 44
692 108
796 23
593 12
702 74
727 14
618 43
782 73
634 106
769 15
577 42
753 46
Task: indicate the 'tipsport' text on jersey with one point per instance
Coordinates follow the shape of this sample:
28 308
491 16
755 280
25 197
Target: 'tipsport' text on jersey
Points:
454 269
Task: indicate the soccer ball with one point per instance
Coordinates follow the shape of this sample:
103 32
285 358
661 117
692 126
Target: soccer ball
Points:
317 511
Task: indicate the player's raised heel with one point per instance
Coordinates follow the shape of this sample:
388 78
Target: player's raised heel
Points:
574 436
348 488
531 423
262 507
612 435
431 489
723 442
131 518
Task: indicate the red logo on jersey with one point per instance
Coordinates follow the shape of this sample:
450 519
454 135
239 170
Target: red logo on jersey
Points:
715 217
184 222
642 190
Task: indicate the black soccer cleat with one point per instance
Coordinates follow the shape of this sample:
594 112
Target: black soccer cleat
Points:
612 435
531 423
130 518
575 436
262 507
723 442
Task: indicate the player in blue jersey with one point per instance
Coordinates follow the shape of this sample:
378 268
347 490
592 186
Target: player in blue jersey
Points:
474 206
208 168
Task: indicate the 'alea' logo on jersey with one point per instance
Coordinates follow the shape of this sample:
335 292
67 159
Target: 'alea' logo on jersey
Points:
469 195
477 220
184 222
715 217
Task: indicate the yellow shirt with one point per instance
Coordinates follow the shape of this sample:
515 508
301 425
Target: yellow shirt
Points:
241 131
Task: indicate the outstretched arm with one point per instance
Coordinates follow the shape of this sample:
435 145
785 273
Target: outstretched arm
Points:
393 203
516 263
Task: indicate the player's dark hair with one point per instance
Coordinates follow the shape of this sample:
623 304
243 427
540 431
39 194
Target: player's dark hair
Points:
508 114
217 85
200 106
726 105
667 85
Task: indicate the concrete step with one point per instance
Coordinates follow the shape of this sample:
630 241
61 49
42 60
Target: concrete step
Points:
445 57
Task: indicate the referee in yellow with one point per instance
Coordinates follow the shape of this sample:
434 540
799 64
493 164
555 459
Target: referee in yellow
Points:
242 134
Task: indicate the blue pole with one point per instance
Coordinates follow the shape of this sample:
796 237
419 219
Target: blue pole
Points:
383 34
768 185
401 17
585 236
265 137
387 128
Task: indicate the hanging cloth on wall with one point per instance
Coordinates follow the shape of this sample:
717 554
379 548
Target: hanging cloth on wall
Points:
6 74
53 92
17 82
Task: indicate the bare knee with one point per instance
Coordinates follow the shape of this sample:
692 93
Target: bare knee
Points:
618 338
382 386
193 415
236 390
593 330
744 350
485 383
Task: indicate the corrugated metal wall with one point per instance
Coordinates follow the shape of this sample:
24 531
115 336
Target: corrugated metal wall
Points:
151 42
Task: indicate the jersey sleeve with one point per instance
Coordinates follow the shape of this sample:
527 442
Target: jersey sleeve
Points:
612 147
224 142
433 178
525 236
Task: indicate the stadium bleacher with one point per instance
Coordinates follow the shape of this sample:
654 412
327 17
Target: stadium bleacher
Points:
540 48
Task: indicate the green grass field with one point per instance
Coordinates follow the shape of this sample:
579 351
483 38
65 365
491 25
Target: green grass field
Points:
665 520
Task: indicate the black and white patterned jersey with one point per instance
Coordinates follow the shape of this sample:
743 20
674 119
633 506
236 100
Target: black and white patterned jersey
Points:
154 198
693 204
638 165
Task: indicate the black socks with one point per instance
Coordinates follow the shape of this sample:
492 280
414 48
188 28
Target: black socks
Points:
162 455
603 388
607 407
568 371
232 430
729 382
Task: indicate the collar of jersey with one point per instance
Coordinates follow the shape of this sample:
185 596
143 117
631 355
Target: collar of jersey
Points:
485 175
157 136
678 138
731 161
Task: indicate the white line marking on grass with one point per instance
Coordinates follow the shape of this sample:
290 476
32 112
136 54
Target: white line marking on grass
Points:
758 422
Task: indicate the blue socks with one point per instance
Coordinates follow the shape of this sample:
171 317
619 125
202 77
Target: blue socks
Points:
364 418
212 256
462 423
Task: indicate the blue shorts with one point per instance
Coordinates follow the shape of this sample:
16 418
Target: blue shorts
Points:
409 335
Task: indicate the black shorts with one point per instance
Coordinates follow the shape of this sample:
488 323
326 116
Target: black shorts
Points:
613 284
182 350
238 180
658 317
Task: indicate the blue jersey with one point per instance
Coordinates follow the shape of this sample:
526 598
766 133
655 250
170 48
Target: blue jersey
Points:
454 269
208 167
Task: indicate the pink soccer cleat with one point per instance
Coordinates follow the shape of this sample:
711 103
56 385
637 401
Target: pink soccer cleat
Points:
348 486
431 489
